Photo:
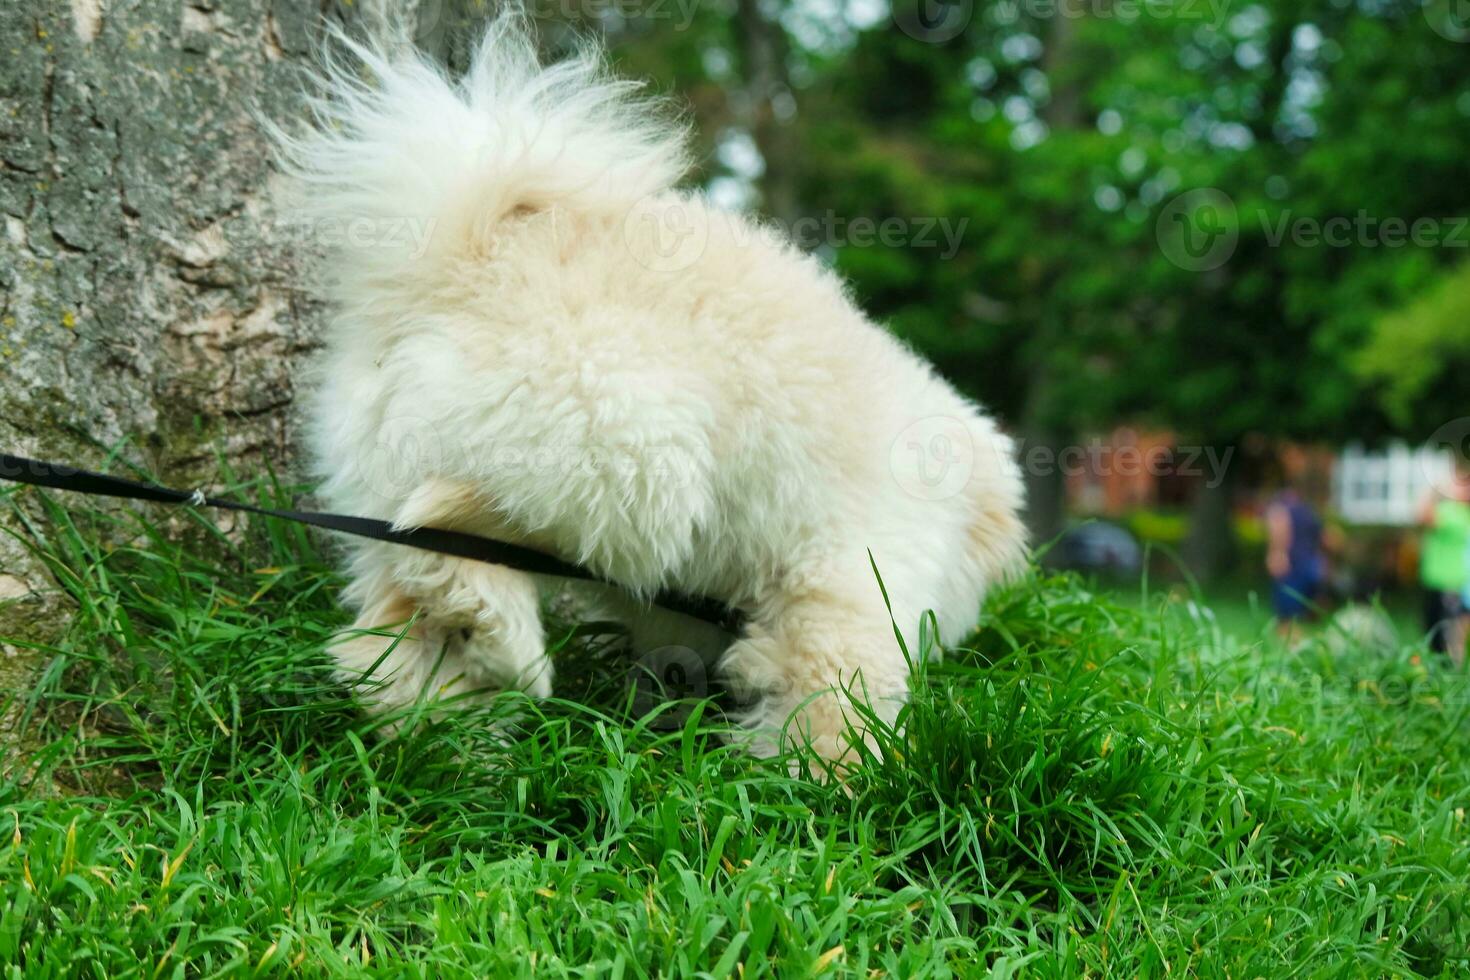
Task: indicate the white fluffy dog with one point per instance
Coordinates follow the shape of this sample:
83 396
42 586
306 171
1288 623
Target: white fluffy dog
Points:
537 337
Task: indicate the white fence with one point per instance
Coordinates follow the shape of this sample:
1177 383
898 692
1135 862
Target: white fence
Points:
1386 486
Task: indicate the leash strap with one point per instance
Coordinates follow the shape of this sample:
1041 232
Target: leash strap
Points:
57 476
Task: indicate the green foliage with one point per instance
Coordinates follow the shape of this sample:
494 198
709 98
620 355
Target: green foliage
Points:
1089 787
1422 353
1059 143
1158 527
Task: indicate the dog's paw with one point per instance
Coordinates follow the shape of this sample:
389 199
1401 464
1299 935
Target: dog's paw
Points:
489 618
503 655
827 725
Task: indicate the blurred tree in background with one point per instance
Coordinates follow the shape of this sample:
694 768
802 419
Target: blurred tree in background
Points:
1224 219
1419 357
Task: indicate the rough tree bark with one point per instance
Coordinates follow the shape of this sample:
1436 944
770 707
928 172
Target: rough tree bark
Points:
148 291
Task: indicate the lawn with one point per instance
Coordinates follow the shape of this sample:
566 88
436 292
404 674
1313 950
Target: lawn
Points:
1091 787
1242 609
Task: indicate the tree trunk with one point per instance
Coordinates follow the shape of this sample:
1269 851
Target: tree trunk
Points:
1042 436
1209 550
767 98
147 288
1041 443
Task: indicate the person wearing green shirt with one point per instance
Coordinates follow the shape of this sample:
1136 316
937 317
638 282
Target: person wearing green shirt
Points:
1444 566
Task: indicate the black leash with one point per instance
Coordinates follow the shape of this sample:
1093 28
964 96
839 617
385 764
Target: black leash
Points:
57 476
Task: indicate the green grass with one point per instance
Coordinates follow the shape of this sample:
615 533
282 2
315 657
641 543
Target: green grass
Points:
1243 609
1092 787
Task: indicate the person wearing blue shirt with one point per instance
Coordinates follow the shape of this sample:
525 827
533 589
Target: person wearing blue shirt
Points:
1295 558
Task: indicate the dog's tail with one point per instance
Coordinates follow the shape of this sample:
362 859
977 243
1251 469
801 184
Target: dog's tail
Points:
402 165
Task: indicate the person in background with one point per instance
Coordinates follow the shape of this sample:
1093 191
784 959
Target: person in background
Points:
1295 557
1444 564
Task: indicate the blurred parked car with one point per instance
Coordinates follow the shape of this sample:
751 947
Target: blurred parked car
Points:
1098 546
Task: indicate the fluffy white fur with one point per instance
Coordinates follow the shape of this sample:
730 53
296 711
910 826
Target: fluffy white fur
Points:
536 336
